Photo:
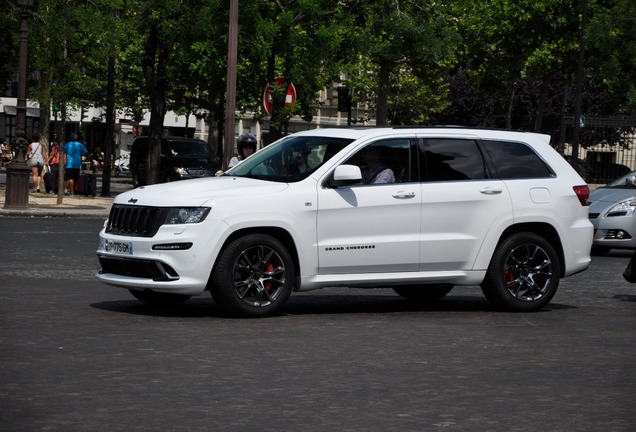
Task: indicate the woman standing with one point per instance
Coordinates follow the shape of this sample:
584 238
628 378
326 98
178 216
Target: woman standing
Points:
36 160
54 162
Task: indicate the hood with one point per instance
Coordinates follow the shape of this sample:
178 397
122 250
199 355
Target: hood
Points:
611 195
196 192
202 163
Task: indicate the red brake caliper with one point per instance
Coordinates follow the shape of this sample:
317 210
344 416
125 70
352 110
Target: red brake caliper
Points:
268 284
509 275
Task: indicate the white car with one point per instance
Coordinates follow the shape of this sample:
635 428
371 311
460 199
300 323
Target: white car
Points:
458 207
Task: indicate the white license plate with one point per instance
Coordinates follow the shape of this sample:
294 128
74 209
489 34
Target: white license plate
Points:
117 247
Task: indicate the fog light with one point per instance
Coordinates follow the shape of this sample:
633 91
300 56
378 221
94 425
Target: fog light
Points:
172 246
620 234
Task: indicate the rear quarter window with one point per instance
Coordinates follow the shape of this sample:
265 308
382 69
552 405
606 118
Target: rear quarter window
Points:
515 160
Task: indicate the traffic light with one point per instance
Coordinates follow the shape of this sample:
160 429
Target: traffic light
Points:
84 115
344 99
56 108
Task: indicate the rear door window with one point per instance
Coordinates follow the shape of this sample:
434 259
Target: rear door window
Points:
448 159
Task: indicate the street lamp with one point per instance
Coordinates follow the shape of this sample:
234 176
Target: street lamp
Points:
17 189
20 125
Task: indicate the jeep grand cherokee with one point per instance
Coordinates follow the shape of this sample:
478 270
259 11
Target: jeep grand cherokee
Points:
497 209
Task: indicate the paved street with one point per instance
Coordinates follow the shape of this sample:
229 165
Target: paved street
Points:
79 356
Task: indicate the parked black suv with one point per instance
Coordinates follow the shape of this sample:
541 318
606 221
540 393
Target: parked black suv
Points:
181 158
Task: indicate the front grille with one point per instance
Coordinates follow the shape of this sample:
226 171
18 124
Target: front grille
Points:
130 220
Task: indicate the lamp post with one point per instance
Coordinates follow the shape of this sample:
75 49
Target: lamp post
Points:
17 190
228 148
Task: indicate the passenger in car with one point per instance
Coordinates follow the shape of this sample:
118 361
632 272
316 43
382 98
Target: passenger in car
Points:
376 171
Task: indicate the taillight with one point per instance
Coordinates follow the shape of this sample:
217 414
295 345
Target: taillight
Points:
583 192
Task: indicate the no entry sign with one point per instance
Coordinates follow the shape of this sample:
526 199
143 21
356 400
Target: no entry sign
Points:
290 97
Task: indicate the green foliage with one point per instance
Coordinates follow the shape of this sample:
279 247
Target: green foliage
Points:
403 58
612 41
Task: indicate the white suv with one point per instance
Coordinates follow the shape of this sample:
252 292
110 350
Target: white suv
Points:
416 209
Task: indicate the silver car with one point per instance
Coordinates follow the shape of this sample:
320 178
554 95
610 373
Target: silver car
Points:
612 212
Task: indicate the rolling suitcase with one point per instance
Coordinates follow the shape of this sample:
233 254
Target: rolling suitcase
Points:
80 185
48 181
91 184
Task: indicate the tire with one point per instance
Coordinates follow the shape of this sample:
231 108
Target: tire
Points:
523 274
424 293
158 298
253 277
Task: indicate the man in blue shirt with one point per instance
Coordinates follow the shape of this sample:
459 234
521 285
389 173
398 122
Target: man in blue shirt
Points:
73 151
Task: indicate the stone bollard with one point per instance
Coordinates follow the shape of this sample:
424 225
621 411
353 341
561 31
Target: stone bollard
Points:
18 176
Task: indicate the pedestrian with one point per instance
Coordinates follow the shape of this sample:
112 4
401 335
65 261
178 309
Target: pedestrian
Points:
3 153
74 151
36 156
97 160
54 162
246 146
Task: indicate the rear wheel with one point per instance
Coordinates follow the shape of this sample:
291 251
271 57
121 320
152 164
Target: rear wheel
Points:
158 298
423 292
523 274
253 277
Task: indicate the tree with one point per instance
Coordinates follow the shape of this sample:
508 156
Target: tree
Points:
505 42
612 43
161 25
298 40
396 53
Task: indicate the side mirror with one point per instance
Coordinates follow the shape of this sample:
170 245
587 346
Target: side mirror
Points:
631 181
345 175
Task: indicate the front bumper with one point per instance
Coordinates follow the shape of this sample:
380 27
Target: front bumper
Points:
615 232
178 259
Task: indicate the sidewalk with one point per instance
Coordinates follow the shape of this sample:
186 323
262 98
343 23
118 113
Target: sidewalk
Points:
45 205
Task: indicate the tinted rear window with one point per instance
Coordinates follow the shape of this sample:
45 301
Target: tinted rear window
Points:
446 159
514 160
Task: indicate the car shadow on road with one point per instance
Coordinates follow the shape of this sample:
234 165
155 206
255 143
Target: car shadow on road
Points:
318 304
624 297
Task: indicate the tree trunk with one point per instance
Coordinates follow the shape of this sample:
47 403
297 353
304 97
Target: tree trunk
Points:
110 123
564 103
154 63
541 106
381 113
61 128
511 103
45 107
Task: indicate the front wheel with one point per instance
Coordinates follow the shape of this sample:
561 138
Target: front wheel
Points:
523 274
253 277
423 293
159 298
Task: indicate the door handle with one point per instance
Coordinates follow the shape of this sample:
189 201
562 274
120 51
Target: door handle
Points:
403 194
491 191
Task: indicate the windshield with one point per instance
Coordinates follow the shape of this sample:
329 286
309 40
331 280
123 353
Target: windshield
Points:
621 182
290 159
189 149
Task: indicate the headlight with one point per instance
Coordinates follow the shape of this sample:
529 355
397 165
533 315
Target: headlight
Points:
181 171
623 208
183 215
